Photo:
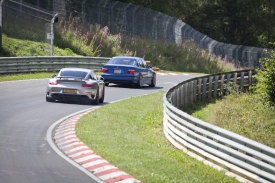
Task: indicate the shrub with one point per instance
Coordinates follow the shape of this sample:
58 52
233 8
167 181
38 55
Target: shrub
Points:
266 79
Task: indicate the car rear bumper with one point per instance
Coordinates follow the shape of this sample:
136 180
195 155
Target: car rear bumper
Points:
120 79
62 96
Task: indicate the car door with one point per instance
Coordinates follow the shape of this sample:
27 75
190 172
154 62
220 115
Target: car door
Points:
94 77
143 71
146 75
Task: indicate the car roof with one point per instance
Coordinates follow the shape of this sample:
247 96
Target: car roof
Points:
126 57
75 69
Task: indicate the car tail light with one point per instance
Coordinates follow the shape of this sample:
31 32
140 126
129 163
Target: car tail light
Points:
131 71
87 85
53 83
104 70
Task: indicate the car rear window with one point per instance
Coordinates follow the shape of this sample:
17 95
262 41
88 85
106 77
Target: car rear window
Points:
80 74
123 61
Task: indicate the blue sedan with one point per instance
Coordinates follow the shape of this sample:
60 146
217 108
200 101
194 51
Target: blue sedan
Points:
128 70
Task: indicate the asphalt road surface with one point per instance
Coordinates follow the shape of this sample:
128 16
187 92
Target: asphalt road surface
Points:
25 116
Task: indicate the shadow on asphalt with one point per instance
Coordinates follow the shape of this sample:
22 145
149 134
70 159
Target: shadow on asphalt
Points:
75 102
144 87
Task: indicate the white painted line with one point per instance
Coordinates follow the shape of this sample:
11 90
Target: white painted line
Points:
50 140
65 134
68 141
75 149
86 165
71 145
81 153
103 168
67 123
64 138
112 175
62 131
87 158
130 180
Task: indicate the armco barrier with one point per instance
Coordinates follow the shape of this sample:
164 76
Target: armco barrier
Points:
247 158
11 65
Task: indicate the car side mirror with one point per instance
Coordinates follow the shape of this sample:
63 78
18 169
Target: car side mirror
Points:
54 75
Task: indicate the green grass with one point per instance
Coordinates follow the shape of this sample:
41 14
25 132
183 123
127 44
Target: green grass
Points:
26 76
243 114
129 134
13 77
18 48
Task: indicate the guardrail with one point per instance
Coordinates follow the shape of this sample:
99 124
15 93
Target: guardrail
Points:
12 65
240 155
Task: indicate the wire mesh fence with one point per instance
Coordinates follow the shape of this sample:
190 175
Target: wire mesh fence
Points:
51 5
133 20
25 21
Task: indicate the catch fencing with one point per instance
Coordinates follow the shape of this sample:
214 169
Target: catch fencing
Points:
57 6
15 65
244 157
25 21
133 20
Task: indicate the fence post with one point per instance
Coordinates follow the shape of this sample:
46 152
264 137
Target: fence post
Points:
54 20
134 21
83 10
112 17
1 24
99 12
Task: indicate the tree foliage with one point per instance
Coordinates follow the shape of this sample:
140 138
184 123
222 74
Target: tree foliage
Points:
240 22
266 80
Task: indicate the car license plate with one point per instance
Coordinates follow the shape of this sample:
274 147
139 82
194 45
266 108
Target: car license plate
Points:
70 91
117 71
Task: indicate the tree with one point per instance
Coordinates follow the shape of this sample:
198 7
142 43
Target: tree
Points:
240 22
266 80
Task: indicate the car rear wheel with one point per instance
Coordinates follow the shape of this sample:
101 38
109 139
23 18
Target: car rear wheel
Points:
139 84
96 100
49 99
101 100
153 81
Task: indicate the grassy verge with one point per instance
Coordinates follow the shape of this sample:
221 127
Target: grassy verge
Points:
129 134
18 48
12 77
243 114
26 76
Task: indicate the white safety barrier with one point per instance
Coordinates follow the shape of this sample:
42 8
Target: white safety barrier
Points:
247 158
13 65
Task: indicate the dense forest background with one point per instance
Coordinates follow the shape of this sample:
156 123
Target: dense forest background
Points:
240 22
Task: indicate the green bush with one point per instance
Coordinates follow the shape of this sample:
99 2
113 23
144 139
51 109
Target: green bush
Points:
266 80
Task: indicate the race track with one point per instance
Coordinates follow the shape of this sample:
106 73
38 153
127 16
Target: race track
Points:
25 116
